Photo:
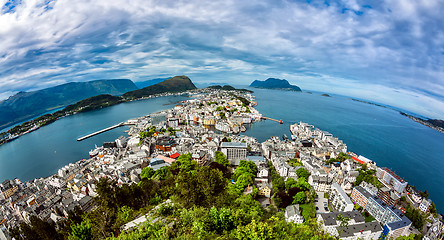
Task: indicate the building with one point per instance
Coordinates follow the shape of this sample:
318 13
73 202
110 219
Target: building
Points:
395 223
360 196
264 190
210 121
434 232
235 151
388 196
173 122
369 188
339 199
390 178
425 204
356 227
370 230
292 214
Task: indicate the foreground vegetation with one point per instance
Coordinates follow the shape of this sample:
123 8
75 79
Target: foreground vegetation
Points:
205 204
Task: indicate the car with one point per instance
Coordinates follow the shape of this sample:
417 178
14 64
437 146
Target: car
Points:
317 208
326 209
325 204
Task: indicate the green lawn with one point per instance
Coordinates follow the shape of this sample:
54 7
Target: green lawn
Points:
370 218
308 210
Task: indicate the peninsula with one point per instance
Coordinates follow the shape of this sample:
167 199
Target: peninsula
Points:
192 175
172 85
27 105
274 83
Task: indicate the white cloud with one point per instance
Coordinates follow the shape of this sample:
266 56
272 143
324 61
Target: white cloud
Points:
394 43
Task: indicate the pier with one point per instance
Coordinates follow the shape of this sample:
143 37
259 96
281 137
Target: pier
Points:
103 130
278 121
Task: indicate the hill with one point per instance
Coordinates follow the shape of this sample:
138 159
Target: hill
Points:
147 83
25 105
274 83
174 84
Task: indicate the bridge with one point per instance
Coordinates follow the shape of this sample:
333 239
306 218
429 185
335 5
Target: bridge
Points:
267 118
103 130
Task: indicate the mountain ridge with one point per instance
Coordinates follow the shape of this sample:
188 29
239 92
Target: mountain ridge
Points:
26 105
275 83
174 84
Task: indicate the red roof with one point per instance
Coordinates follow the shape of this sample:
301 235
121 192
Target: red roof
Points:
176 155
357 160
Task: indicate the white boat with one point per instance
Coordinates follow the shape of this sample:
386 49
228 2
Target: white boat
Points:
94 152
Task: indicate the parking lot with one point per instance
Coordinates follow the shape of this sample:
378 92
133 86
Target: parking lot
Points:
321 203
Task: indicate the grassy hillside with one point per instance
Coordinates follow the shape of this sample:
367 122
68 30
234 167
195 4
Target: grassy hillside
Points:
174 84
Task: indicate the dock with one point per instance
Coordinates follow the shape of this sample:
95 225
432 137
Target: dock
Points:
101 131
278 121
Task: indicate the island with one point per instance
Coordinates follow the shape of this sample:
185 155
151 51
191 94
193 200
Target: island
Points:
436 124
275 83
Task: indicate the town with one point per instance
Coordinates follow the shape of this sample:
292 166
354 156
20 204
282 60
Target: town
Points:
309 175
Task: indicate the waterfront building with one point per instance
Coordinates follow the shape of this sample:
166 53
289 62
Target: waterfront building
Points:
339 199
395 223
388 196
391 179
425 204
235 151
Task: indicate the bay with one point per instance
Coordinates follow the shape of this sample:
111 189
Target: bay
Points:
413 151
41 153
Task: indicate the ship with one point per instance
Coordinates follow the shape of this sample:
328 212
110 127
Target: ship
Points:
94 152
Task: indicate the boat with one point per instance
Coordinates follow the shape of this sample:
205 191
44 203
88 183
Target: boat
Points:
285 137
12 137
94 152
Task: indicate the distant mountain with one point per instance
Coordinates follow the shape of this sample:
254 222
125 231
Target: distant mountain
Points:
174 84
208 84
274 83
228 88
150 82
25 105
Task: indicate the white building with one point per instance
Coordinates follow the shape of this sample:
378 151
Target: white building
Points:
356 227
390 178
339 199
235 151
292 214
425 204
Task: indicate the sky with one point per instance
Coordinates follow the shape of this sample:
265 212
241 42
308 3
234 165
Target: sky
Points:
389 52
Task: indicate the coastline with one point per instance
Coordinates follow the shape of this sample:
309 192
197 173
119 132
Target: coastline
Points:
197 102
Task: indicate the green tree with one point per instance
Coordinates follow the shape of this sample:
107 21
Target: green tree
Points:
290 183
222 219
255 231
299 198
185 163
303 173
205 188
221 158
343 220
147 173
81 231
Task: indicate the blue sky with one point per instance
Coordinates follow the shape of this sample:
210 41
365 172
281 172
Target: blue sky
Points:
390 52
